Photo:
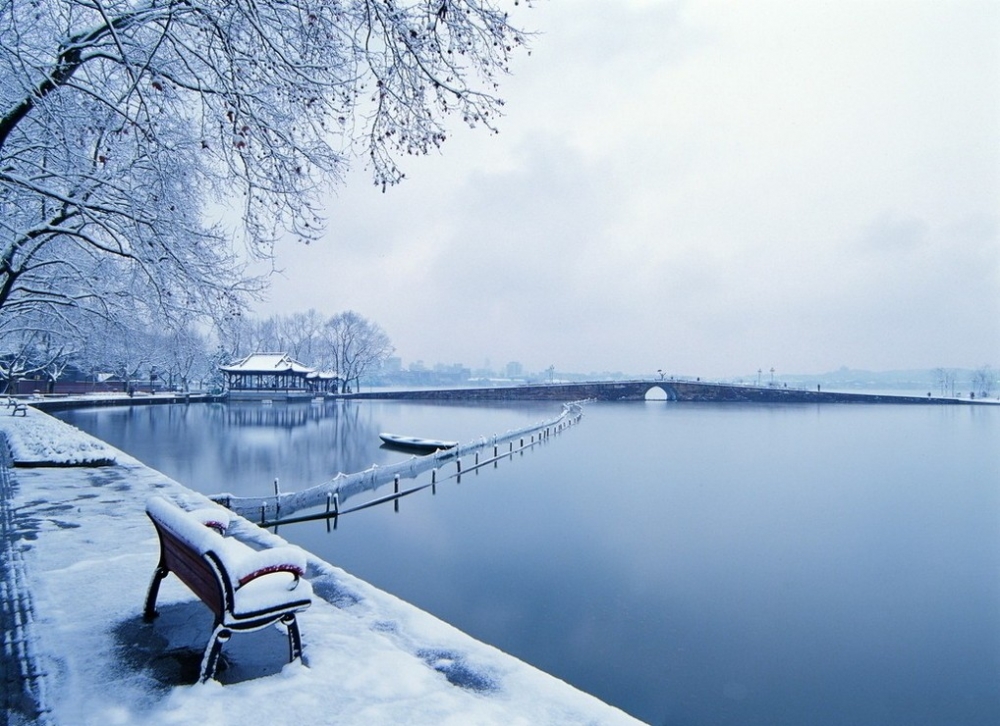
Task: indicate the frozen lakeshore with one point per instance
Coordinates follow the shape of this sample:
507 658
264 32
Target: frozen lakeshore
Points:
79 552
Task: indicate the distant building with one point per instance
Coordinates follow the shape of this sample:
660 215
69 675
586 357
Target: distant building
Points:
70 380
514 370
261 375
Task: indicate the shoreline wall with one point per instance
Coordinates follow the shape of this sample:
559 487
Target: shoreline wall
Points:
679 391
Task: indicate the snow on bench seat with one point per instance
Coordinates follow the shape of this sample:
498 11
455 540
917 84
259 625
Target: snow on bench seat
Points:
246 589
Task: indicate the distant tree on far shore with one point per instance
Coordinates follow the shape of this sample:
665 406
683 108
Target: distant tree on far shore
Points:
354 346
983 381
946 379
347 343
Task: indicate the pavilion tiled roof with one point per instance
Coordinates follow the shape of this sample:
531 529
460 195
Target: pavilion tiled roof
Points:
267 363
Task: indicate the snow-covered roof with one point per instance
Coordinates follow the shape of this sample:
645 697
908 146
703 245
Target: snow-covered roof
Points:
324 375
267 363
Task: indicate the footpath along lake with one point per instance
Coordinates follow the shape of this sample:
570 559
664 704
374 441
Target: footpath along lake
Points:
689 563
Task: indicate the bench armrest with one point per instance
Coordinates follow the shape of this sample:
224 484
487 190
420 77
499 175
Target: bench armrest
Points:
254 564
216 518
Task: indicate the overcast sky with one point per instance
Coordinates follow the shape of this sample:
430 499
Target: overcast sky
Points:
706 188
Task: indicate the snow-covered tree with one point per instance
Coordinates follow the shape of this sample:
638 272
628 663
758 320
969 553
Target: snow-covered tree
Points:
304 332
54 354
34 342
129 352
354 346
187 357
945 379
983 381
16 359
299 335
122 120
237 335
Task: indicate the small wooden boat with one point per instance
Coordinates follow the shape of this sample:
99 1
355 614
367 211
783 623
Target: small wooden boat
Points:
413 443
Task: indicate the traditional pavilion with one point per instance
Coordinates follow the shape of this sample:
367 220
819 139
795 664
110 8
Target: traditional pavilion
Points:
276 374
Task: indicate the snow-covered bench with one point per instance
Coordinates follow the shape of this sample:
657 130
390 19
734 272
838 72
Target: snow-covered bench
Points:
16 407
246 589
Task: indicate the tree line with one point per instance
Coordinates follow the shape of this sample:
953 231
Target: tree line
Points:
183 358
982 382
347 343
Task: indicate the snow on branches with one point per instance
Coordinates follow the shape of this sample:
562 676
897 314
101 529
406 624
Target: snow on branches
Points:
122 120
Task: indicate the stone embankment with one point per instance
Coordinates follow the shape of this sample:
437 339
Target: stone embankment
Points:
562 392
62 403
637 391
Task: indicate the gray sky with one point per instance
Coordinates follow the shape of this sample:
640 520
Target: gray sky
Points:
703 187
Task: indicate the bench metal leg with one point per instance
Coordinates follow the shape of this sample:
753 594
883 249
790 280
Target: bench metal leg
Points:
294 639
149 612
210 661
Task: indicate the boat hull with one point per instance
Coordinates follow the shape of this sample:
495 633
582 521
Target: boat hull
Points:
414 443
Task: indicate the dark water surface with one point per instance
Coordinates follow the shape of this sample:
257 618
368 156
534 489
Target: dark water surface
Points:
689 563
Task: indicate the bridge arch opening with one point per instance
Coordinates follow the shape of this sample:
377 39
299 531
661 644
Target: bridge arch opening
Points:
656 394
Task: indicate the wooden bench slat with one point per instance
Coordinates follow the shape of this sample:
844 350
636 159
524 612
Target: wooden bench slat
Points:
193 570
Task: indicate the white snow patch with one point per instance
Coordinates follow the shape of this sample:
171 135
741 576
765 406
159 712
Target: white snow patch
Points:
37 438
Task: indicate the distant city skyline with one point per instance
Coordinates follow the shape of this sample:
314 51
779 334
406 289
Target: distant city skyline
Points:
513 370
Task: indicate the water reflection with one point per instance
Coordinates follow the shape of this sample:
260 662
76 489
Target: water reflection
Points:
437 468
241 448
280 508
283 416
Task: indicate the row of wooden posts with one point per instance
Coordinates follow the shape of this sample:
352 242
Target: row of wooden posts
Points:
333 510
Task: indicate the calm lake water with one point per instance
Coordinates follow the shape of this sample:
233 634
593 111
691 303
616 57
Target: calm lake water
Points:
689 563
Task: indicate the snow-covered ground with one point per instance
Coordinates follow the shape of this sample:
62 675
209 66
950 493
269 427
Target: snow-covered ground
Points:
38 439
369 658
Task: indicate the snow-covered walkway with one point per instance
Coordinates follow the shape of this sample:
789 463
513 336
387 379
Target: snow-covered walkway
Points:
86 554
